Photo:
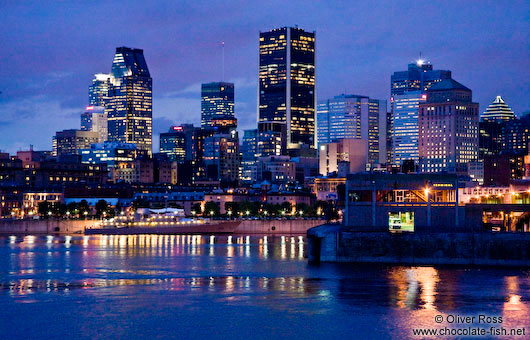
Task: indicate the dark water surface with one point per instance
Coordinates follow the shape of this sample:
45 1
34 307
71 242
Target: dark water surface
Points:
239 287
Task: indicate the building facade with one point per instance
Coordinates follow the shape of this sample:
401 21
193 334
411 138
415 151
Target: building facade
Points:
407 91
286 97
352 151
448 129
217 100
129 102
353 116
70 142
95 119
98 91
405 126
179 142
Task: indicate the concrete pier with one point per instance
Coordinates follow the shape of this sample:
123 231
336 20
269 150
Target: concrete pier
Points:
333 243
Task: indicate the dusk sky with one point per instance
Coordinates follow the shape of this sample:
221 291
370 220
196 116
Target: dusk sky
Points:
51 50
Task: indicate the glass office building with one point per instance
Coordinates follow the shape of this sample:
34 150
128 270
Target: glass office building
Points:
99 89
353 116
129 102
498 111
407 89
286 96
179 143
405 125
217 100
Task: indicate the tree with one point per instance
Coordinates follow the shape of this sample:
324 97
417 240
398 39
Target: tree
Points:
286 208
211 209
83 208
233 207
101 207
196 209
44 208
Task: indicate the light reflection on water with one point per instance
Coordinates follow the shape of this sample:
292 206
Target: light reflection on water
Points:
209 274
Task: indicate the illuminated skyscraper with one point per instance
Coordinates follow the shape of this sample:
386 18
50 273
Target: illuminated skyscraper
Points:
286 96
352 116
407 90
98 90
448 128
217 100
498 111
405 126
129 102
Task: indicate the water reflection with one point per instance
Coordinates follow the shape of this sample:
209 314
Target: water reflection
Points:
266 271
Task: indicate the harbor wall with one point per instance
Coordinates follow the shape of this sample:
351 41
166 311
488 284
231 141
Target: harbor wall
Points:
44 226
333 244
298 226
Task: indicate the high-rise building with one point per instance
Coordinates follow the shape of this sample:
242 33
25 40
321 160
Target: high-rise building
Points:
179 143
70 142
286 97
498 111
354 116
129 102
249 150
221 157
217 100
98 90
407 90
405 126
419 77
95 119
448 128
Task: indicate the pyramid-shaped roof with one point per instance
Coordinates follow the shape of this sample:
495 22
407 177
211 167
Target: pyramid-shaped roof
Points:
498 110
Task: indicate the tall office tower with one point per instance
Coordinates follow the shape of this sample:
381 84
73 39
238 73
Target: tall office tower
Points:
352 116
129 102
416 80
221 157
448 128
419 77
405 126
98 90
95 119
249 150
498 111
286 98
217 100
179 143
70 142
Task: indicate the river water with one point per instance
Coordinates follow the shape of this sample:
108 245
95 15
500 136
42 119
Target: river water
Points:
235 287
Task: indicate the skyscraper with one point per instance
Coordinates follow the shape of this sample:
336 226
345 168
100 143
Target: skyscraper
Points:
448 128
407 90
179 143
249 150
129 102
405 126
286 98
95 119
353 116
498 111
217 100
419 77
98 90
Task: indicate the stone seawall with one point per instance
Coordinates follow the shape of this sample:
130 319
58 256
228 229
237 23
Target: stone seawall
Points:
44 226
332 244
277 226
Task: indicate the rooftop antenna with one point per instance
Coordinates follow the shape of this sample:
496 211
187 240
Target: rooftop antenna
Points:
223 62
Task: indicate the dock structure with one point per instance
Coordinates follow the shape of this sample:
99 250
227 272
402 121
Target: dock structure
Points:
421 219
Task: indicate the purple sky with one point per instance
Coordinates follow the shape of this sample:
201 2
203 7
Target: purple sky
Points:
49 52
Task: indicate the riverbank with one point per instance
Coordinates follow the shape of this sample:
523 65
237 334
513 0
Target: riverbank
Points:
286 226
334 243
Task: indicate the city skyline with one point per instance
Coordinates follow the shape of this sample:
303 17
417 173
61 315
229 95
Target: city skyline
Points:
47 94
